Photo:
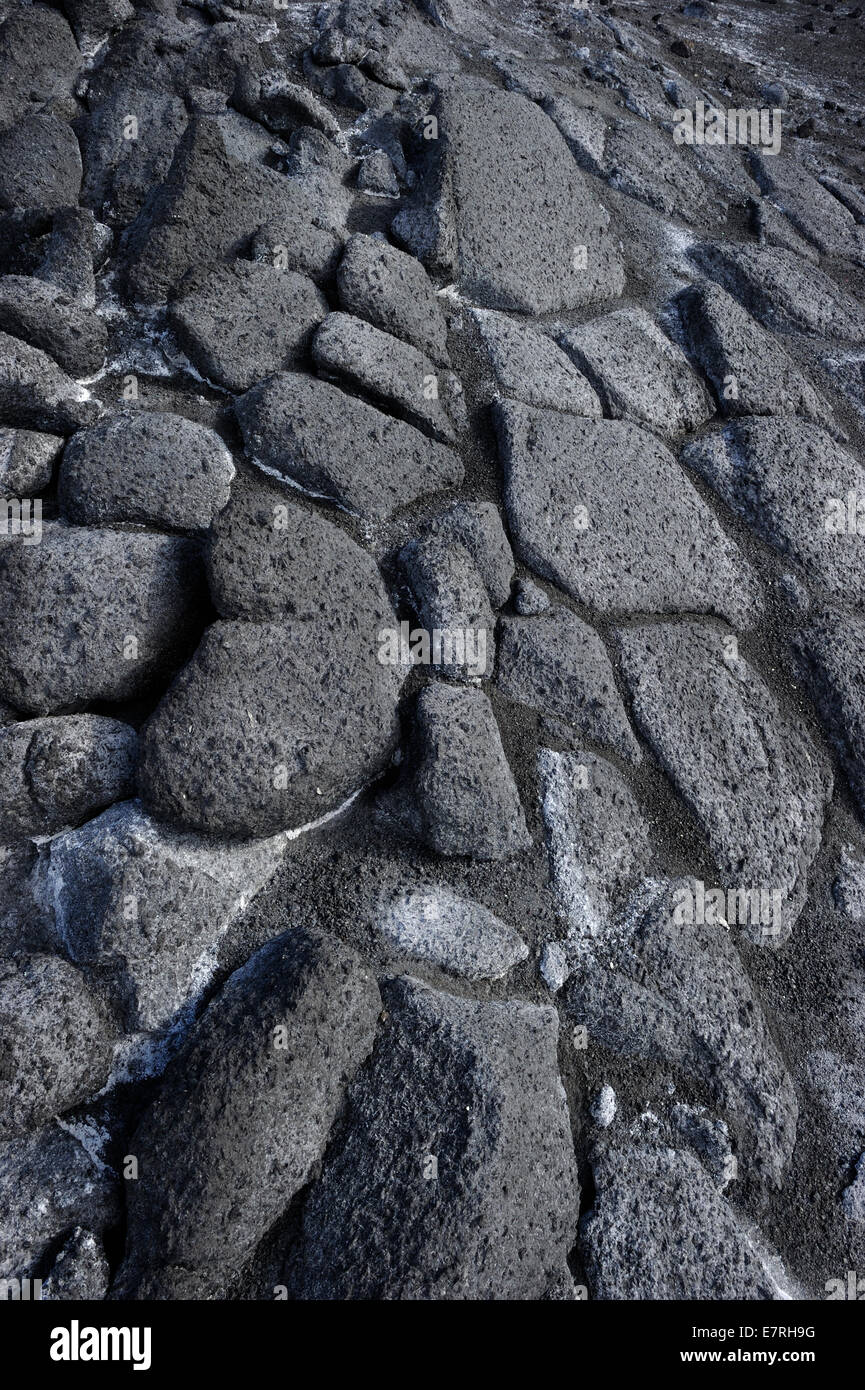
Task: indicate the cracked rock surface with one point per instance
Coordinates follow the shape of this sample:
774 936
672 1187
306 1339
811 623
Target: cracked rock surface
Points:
432 650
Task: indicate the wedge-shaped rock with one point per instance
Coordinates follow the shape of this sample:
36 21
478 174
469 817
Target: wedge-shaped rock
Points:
662 988
55 1041
119 173
529 367
271 557
244 1113
477 526
91 615
37 395
57 772
208 209
638 373
752 777
558 664
750 372
27 461
390 289
644 161
271 725
436 925
51 1181
598 844
660 1230
456 1178
41 314
790 481
602 509
335 446
40 164
148 467
811 208
242 322
505 209
831 650
393 372
450 598
457 794
782 290
145 906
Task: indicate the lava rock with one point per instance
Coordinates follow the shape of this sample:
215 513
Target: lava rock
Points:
40 164
92 615
570 486
451 599
434 924
124 161
56 1041
558 664
269 557
597 841
57 772
631 1249
458 795
790 481
477 527
41 314
392 291
753 778
209 209
750 372
80 1270
271 725
504 209
393 372
638 373
336 446
464 1185
27 461
811 208
148 467
240 323
781 290
39 63
528 367
142 907
831 658
51 1182
244 1113
36 394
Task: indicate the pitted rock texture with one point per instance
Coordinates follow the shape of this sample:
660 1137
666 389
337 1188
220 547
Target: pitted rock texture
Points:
432 753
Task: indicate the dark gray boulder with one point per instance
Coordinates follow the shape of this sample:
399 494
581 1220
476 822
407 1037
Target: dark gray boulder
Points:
570 490
27 461
242 322
144 466
35 394
40 313
56 772
503 207
141 907
477 527
451 599
271 725
56 1039
464 1184
40 164
380 283
271 557
529 367
750 372
458 795
791 482
336 446
638 373
558 664
752 777
395 373
93 615
632 1249
244 1113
